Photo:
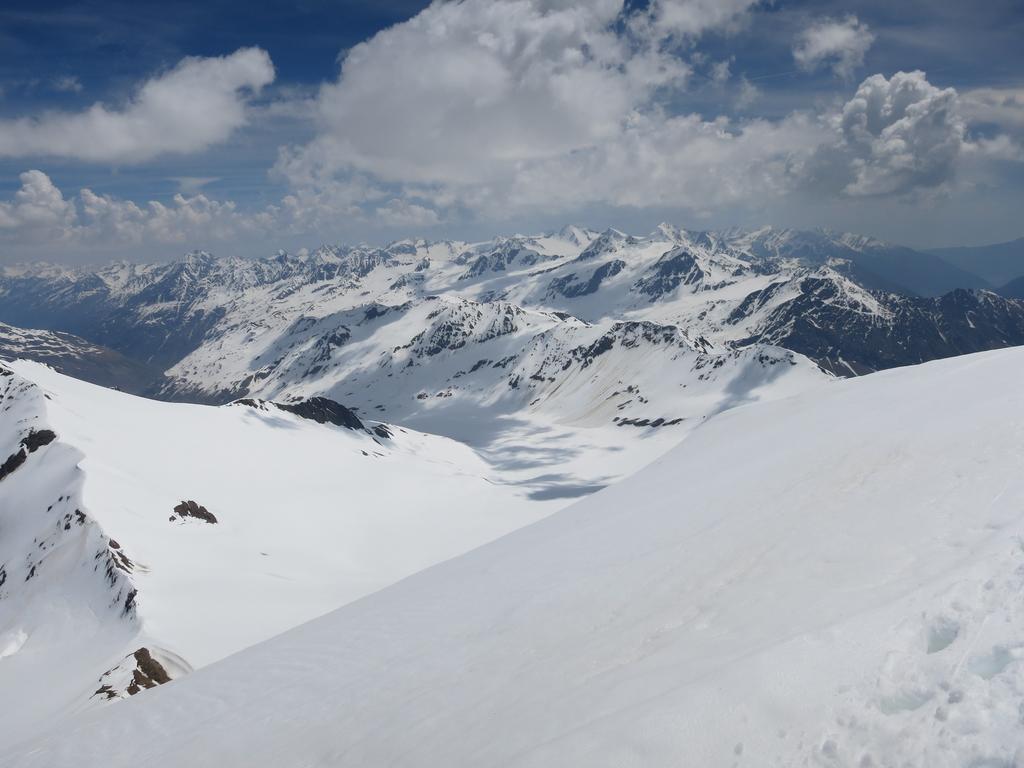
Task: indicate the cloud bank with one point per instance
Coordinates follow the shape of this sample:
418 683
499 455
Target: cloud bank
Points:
485 110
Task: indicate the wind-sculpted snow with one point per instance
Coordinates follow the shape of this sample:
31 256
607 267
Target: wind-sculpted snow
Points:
829 580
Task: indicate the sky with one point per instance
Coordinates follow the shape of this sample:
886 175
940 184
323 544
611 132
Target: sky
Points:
145 130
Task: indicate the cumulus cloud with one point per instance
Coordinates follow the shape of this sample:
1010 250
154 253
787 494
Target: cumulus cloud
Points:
106 219
39 213
468 104
837 43
895 136
465 91
530 106
198 103
38 210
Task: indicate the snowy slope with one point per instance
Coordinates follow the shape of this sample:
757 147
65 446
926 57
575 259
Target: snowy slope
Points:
96 563
832 579
78 357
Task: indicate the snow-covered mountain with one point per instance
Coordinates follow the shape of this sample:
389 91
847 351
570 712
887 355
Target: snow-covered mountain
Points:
371 412
79 358
831 579
359 323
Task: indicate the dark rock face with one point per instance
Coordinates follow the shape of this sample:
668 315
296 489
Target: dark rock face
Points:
192 509
571 286
754 301
37 438
148 673
508 253
848 337
675 268
88 309
79 358
32 442
606 242
627 334
324 411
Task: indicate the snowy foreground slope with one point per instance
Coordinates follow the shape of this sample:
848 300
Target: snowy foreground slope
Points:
98 558
833 579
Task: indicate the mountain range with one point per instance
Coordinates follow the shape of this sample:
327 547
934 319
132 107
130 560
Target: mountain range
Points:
998 264
357 323
640 495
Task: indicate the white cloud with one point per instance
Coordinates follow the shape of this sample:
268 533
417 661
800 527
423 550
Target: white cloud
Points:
721 71
198 103
465 91
748 94
683 19
682 161
526 106
1000 149
900 134
402 213
40 214
1003 107
838 43
108 220
468 104
38 211
516 108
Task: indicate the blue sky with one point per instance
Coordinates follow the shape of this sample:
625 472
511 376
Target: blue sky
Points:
144 130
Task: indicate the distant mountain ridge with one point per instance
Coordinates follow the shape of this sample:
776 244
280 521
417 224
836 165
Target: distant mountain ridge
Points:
422 330
1013 289
77 357
998 263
